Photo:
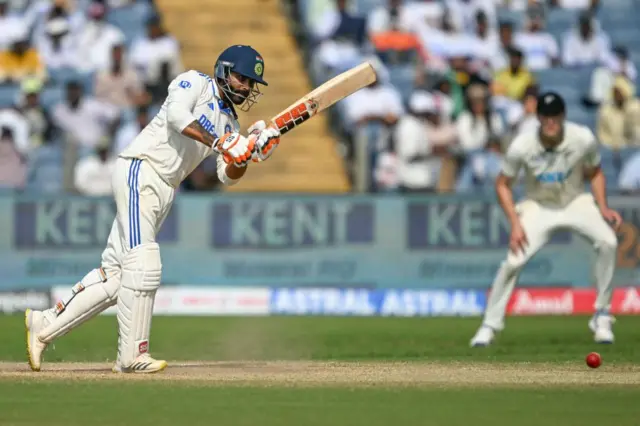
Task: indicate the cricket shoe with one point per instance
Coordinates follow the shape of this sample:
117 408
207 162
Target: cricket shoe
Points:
601 324
143 364
34 322
484 336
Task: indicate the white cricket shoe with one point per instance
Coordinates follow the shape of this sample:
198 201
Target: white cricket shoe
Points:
484 336
600 324
34 322
143 364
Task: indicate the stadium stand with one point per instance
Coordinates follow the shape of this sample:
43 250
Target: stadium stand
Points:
428 54
584 71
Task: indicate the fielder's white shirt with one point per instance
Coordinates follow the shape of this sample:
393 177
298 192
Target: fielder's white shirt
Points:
193 96
553 178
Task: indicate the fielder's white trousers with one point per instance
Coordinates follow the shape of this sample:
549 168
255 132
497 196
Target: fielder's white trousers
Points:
582 216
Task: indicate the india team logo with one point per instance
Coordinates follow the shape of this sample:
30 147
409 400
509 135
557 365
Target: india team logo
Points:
259 68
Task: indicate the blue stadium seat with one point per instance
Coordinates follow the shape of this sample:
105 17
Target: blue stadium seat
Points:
131 19
45 169
403 78
8 94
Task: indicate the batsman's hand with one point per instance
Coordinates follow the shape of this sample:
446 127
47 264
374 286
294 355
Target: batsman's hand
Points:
518 240
266 139
612 217
235 149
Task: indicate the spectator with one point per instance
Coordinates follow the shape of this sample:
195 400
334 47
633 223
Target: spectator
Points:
92 175
584 45
619 120
38 119
479 123
425 13
120 85
522 117
84 120
629 179
516 78
487 43
501 59
13 172
618 63
57 47
96 40
12 27
157 58
421 142
539 47
447 42
340 20
20 62
40 12
18 126
463 12
483 168
340 49
130 131
590 5
395 15
379 102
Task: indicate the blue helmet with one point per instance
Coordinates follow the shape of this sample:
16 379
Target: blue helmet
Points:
246 61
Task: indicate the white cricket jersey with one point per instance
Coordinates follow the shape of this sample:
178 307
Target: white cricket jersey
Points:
193 96
555 177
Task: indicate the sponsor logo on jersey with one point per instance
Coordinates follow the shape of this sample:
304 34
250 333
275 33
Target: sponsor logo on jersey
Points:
184 84
207 125
552 177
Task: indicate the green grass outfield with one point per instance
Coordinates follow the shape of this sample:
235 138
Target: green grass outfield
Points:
280 371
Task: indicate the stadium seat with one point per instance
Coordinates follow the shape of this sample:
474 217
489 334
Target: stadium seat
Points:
45 169
8 94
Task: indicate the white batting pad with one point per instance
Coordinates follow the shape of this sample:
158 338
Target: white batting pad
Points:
141 271
92 295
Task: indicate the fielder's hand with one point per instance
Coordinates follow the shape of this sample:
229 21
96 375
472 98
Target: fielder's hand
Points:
518 241
266 139
235 149
612 217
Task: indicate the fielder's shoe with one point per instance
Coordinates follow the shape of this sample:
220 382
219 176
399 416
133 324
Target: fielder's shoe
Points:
484 336
34 321
143 364
600 324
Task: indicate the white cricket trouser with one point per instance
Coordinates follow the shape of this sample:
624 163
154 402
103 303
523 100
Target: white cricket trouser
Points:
143 201
581 215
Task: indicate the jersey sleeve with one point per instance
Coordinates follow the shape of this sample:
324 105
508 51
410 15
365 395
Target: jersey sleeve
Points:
512 162
184 93
592 157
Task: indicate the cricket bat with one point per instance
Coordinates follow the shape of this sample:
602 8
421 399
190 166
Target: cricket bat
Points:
324 96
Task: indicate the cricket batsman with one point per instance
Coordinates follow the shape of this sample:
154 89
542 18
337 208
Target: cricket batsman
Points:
556 158
197 119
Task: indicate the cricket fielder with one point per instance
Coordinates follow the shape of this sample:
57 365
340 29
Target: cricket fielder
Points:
556 159
196 120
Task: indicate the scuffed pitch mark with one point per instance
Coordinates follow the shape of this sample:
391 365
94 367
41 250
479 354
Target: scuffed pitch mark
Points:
352 374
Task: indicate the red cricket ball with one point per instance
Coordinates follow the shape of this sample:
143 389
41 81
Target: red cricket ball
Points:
594 360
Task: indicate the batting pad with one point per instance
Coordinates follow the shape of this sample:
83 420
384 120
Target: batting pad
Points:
92 295
141 270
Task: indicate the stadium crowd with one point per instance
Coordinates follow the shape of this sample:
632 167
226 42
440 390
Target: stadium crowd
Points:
78 81
459 79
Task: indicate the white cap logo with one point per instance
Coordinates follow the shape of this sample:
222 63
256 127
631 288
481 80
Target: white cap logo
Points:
548 99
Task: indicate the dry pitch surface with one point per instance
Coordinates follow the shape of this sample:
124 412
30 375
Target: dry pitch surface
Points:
352 374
